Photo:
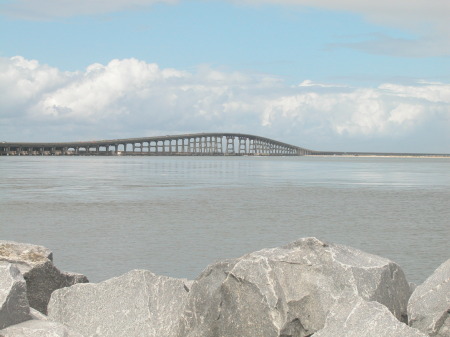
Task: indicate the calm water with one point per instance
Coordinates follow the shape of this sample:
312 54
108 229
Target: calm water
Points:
105 216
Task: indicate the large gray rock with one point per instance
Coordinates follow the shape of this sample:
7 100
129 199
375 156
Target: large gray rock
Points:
429 305
37 315
42 277
288 291
138 303
357 318
35 328
14 306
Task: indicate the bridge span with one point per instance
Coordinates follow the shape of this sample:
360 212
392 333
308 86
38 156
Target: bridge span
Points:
200 144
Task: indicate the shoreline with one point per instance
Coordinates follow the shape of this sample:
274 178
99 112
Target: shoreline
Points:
378 156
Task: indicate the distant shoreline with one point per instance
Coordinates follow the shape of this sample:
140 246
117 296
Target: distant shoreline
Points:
387 155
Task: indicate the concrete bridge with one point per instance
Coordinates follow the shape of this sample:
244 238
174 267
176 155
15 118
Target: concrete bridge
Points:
200 144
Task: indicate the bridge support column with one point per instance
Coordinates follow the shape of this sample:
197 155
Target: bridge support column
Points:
191 145
206 145
219 144
242 145
198 145
203 144
230 144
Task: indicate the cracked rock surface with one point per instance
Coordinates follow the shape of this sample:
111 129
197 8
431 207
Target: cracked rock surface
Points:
14 306
37 328
138 303
288 291
36 265
429 305
357 317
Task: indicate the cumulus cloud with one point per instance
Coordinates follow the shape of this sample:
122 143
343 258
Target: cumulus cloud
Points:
24 80
132 98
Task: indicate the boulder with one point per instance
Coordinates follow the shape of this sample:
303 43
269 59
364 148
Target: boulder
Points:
18 252
36 328
138 303
38 315
36 265
14 306
357 317
288 291
429 305
44 278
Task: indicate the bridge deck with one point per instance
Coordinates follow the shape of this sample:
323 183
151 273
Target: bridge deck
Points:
186 144
199 144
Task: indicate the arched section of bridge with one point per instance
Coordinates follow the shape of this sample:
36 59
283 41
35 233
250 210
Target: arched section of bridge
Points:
201 144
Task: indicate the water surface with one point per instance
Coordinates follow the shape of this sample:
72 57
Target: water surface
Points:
103 216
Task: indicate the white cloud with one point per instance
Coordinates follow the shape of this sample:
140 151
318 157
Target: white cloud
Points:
425 20
433 92
48 9
406 113
131 98
24 82
420 15
93 93
407 13
423 45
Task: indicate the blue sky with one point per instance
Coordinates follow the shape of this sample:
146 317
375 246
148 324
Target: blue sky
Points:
356 76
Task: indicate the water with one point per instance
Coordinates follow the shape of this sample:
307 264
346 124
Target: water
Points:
103 216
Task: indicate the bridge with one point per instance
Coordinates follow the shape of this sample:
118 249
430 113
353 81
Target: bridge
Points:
200 144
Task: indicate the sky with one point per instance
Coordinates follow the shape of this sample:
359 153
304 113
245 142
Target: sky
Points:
348 75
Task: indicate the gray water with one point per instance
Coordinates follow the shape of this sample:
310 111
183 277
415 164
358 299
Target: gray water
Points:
103 216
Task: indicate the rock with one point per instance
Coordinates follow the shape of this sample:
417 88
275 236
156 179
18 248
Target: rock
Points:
71 278
412 286
357 317
288 291
138 303
14 306
36 328
205 300
42 277
37 315
16 251
429 305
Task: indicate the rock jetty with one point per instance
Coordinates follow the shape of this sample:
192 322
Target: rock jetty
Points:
36 265
303 289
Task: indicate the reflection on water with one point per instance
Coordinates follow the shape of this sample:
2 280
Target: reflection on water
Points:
173 216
